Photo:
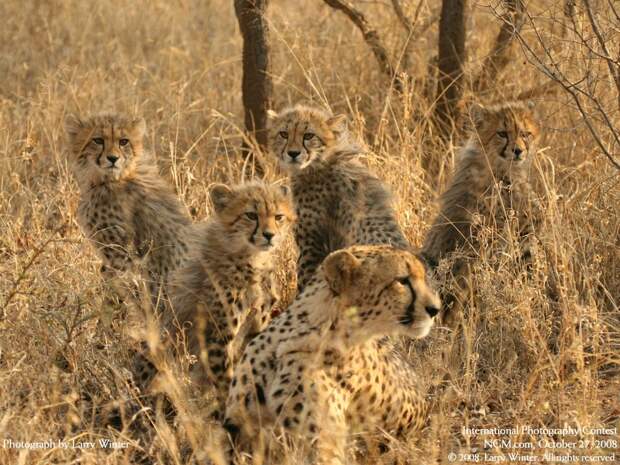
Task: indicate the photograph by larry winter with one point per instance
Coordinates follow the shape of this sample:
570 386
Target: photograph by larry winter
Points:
309 232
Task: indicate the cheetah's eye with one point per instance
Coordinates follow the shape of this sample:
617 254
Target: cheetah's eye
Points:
251 215
123 142
404 281
502 134
308 136
283 134
279 218
527 134
98 140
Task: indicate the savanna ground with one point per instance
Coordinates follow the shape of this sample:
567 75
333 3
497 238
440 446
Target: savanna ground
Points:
538 348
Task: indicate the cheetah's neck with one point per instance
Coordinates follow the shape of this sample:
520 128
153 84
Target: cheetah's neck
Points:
318 307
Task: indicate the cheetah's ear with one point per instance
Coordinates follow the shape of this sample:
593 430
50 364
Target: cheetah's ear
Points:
139 127
220 195
73 126
339 269
531 106
286 191
337 123
477 114
271 115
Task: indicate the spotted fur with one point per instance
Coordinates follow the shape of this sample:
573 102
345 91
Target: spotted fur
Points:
340 203
324 370
490 180
337 200
226 292
130 214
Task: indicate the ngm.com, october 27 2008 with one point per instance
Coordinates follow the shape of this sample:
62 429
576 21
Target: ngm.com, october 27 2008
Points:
528 444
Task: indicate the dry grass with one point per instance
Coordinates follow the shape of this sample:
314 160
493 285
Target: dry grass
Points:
540 349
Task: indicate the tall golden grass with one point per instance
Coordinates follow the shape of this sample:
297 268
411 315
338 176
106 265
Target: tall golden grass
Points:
539 348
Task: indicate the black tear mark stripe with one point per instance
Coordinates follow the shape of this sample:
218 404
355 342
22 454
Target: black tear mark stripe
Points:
100 154
303 133
503 151
414 296
86 143
255 227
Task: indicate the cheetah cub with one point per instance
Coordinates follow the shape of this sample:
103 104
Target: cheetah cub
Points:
226 292
323 371
130 214
338 202
300 134
490 179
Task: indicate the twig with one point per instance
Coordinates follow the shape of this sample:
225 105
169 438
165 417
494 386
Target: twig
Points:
22 275
371 36
614 70
402 17
411 27
554 73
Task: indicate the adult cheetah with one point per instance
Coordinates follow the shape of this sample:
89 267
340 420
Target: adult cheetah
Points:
337 200
130 214
323 370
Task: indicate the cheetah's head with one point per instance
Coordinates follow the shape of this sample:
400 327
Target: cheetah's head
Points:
254 215
299 135
381 291
507 133
106 147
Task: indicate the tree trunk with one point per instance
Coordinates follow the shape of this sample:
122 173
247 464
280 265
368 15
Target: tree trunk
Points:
256 85
450 62
500 56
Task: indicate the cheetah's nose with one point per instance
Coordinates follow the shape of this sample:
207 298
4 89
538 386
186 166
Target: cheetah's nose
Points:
517 151
294 154
112 159
432 311
268 235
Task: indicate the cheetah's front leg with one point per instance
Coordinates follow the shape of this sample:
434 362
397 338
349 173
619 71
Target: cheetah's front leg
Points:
311 411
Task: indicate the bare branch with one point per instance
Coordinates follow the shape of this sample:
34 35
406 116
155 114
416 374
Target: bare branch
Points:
500 55
402 17
421 28
412 28
371 36
613 9
614 70
550 66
